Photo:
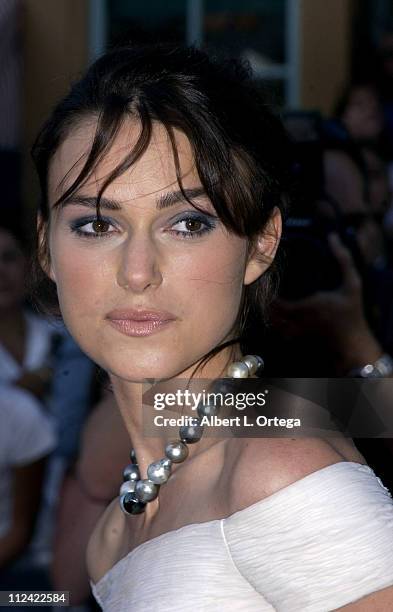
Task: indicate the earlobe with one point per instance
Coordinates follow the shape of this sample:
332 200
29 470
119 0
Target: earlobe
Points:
264 249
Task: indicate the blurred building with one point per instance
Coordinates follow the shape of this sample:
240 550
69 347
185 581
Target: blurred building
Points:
300 50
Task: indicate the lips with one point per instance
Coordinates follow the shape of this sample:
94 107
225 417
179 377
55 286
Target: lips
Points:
140 322
140 315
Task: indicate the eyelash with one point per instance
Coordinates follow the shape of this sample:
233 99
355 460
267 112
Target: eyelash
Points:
209 224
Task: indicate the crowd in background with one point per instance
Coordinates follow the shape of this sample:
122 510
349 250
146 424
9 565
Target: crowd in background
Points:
62 441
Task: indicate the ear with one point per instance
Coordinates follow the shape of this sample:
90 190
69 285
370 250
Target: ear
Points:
43 247
265 248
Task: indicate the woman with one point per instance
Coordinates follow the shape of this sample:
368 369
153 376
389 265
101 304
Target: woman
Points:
27 437
361 112
25 338
163 179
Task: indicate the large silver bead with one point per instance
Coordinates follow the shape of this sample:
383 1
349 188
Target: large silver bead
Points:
261 363
251 362
128 487
191 433
146 490
176 451
208 410
131 472
238 369
130 504
159 471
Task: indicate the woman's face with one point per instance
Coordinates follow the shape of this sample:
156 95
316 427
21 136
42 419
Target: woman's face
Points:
363 114
153 252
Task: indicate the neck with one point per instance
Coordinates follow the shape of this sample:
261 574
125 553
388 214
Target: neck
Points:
129 399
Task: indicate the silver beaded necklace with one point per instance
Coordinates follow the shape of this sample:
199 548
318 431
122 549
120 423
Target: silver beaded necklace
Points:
136 492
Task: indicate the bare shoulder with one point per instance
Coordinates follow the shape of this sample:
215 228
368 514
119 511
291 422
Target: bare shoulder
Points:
103 547
259 467
379 601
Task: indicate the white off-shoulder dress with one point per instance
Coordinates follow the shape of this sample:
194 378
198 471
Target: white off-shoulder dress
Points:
322 542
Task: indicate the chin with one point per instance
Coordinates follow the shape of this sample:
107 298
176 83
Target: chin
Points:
139 370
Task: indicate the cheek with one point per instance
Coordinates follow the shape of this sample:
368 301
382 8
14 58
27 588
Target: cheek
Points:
211 285
80 285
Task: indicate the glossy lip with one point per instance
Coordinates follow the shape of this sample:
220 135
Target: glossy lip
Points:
139 322
139 328
140 315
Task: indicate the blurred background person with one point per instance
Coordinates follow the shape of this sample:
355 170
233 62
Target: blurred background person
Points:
361 112
38 356
337 318
27 437
26 339
88 488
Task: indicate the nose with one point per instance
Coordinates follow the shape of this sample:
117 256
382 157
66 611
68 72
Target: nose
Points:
139 266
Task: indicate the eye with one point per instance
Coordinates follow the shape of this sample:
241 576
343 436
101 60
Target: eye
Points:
192 225
93 227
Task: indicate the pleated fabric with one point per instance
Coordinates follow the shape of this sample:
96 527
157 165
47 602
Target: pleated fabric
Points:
322 542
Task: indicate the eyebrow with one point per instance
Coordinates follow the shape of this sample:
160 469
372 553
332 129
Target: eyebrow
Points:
164 201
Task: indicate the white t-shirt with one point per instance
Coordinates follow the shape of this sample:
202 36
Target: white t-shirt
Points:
39 332
26 435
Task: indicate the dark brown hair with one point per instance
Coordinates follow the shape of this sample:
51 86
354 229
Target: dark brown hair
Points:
240 148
